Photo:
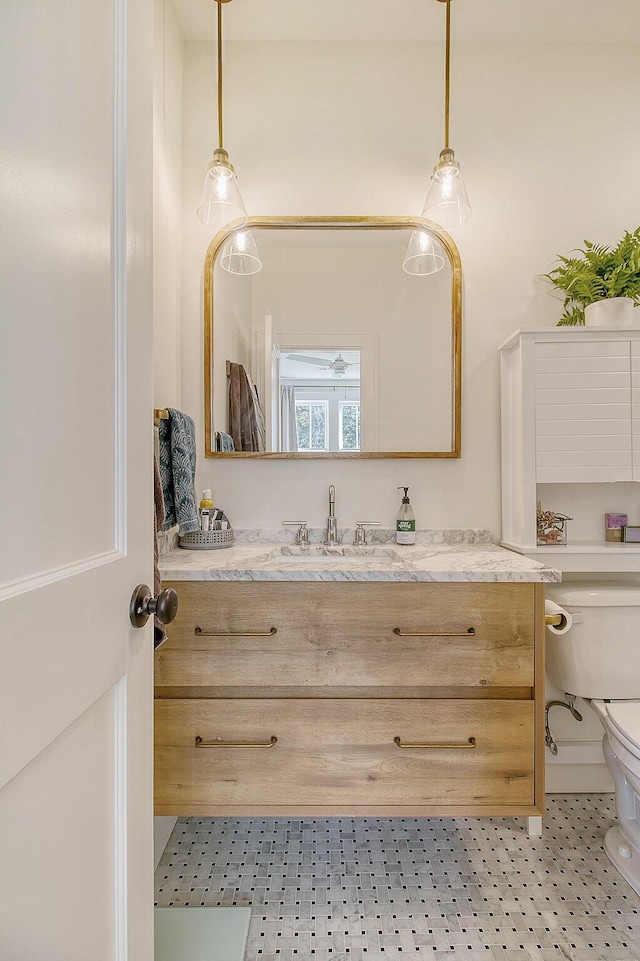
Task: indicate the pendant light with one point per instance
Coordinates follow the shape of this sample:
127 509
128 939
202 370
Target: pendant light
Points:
240 254
424 255
447 202
221 200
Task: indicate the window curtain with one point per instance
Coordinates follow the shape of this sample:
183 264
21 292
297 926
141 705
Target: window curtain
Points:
288 432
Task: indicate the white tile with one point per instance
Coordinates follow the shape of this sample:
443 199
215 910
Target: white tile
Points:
383 889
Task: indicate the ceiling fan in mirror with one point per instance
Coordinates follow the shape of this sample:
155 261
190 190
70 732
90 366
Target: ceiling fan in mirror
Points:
339 365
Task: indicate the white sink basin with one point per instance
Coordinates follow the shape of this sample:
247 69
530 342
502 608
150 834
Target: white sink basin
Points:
346 556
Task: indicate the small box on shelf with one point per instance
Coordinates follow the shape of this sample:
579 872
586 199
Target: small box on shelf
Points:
614 525
551 527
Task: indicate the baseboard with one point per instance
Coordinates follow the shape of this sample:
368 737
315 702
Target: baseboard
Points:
578 767
576 752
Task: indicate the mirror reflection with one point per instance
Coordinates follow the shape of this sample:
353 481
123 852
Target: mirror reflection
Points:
331 348
319 401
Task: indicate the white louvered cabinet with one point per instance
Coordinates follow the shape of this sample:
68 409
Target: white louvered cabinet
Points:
570 415
583 411
635 407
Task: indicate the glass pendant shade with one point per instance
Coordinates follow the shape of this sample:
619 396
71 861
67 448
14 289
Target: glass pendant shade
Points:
240 254
221 200
424 255
447 202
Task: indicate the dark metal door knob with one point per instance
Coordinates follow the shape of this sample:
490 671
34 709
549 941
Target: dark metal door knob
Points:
144 605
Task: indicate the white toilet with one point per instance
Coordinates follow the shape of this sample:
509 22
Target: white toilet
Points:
598 659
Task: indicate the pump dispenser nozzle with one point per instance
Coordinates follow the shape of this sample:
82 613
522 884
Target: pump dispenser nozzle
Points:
405 499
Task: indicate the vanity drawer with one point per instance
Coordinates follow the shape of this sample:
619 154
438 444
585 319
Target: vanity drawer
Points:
315 635
342 754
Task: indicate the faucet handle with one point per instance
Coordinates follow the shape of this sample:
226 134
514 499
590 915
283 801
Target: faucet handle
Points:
360 538
302 537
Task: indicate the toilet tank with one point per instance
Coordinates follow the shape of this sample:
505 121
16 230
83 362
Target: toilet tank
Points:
599 657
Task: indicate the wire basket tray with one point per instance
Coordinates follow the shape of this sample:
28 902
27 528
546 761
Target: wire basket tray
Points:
207 540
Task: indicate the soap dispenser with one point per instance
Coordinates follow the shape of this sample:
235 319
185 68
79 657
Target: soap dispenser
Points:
206 509
405 521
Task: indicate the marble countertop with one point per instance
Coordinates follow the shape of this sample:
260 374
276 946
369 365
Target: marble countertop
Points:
436 556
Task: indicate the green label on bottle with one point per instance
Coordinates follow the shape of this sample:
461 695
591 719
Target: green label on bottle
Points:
406 526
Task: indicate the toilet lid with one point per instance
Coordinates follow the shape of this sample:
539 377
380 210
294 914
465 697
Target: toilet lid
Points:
625 717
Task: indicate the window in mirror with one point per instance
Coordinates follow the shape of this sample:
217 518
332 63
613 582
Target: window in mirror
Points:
312 429
344 353
324 387
349 423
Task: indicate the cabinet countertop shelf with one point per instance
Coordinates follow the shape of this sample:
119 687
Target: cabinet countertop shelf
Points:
583 557
420 563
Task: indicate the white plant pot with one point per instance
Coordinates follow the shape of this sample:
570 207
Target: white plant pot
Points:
614 312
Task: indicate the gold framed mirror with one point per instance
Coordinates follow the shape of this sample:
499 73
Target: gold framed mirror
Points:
326 347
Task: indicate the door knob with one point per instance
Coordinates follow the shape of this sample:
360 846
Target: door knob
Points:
143 605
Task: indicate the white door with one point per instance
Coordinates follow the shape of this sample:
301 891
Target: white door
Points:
76 480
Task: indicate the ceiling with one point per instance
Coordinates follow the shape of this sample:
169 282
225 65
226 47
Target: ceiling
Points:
293 369
577 21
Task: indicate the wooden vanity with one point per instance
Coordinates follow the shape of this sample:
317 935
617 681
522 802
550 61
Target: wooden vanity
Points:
343 698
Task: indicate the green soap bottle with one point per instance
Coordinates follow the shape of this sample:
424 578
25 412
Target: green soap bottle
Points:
405 521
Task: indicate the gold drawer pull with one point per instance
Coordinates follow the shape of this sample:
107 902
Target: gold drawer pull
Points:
200 633
269 743
470 632
449 745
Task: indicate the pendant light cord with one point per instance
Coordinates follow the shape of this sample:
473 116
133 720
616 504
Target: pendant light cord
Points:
219 3
447 64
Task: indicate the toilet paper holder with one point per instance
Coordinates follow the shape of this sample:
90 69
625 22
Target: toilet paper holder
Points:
554 620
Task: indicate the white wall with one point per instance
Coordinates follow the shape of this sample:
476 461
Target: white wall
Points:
167 201
549 151
167 230
320 128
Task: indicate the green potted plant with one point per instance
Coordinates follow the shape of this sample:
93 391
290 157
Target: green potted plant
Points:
601 285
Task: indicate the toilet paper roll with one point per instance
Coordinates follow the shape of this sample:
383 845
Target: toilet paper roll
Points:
550 607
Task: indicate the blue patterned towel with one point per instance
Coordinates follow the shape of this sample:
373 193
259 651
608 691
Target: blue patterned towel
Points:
224 442
178 472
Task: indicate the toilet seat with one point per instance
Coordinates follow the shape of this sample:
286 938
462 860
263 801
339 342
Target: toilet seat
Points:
624 719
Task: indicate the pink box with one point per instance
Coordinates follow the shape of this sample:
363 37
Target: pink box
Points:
615 520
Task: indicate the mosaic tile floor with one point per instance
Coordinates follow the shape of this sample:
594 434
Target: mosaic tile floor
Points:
376 889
